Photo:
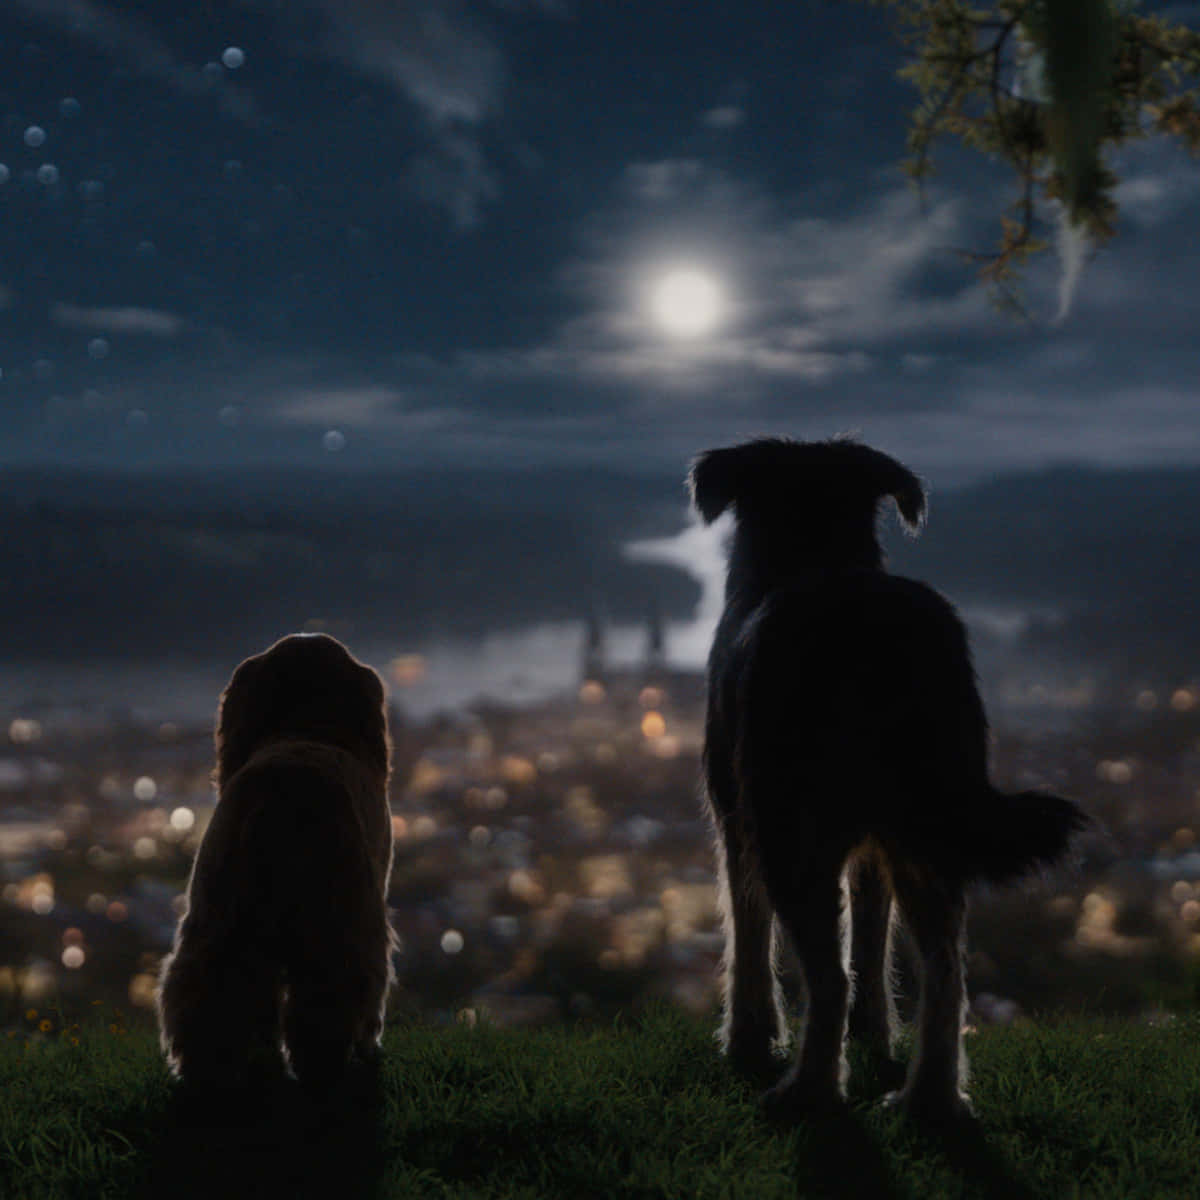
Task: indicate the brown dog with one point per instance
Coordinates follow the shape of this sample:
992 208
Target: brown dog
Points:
286 936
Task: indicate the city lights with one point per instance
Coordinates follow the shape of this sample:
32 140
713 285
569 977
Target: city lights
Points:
569 827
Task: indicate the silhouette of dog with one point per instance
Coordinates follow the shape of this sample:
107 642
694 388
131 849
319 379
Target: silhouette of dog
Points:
846 750
286 934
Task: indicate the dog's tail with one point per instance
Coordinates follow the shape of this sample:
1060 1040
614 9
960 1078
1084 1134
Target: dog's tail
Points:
1025 832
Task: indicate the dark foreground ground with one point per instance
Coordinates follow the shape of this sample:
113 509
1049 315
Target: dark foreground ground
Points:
1066 1108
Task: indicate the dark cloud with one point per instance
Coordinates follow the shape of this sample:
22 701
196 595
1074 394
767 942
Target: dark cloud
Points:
135 43
433 228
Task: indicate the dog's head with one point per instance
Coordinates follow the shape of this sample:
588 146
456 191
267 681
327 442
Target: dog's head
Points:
306 687
808 501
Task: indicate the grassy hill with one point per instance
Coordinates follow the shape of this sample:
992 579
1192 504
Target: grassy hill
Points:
646 1109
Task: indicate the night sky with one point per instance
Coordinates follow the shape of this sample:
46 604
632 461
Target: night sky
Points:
363 233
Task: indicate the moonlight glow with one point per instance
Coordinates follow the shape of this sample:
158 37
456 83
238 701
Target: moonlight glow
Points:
687 303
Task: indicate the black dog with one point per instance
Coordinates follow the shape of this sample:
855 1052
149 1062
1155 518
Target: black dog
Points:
846 749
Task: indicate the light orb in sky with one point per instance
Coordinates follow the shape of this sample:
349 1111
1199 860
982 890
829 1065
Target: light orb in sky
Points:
687 302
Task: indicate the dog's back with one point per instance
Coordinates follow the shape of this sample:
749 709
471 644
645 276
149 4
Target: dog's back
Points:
859 682
297 816
851 693
843 697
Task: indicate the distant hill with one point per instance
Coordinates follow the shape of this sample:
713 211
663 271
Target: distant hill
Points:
104 566
99 565
1116 553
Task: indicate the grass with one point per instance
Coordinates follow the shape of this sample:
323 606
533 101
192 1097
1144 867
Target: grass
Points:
1083 1108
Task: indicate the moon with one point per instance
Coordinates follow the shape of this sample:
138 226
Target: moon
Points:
687 302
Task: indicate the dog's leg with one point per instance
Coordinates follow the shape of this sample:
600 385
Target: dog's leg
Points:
320 1021
754 1023
937 1076
377 979
219 1015
872 1009
337 988
370 1027
754 1017
812 912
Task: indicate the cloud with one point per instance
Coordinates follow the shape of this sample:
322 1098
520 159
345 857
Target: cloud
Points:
865 293
724 116
456 177
1025 427
349 406
855 317
668 179
130 40
376 407
969 414
865 278
439 55
448 64
433 51
1158 183
846 311
148 321
698 550
679 368
549 8
810 299
918 362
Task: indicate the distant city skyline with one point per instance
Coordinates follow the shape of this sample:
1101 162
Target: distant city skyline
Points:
360 234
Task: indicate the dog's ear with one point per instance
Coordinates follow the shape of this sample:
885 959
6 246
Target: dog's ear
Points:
887 477
715 480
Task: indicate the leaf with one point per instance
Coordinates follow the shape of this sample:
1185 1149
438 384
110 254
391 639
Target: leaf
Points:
1079 38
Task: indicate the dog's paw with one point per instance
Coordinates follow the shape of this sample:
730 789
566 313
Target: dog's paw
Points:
798 1098
368 1051
755 1061
939 1110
